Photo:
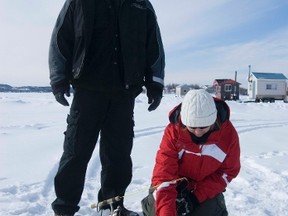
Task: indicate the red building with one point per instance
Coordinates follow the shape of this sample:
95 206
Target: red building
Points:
226 89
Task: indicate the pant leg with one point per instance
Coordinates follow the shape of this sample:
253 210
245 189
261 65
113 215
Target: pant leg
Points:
115 147
212 207
84 121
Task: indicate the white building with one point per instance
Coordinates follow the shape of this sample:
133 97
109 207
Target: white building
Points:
181 90
267 86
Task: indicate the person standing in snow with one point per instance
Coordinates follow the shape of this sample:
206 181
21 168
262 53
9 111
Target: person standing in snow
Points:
107 50
199 155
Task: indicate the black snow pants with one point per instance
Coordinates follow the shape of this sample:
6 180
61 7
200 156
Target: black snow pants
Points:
91 114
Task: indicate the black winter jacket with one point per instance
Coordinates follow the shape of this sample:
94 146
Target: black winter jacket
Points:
142 48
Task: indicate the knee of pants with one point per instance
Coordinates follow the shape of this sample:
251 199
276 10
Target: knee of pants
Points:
212 207
222 206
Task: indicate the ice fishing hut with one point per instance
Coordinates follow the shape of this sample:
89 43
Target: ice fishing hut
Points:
226 89
267 87
181 90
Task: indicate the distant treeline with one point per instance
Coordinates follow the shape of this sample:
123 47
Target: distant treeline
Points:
8 88
170 88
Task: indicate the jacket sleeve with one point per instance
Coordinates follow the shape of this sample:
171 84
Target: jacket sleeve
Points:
165 171
229 169
156 58
61 45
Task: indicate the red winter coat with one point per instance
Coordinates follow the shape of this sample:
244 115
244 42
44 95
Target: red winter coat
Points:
209 166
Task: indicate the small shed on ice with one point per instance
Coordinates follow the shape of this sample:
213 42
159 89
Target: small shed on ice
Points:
226 89
181 90
267 86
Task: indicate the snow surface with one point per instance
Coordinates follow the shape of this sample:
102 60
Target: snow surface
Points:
31 138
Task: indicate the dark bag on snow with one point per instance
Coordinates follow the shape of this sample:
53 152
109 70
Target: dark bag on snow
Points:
148 204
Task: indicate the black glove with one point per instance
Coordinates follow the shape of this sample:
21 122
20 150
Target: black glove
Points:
186 200
154 94
59 90
193 199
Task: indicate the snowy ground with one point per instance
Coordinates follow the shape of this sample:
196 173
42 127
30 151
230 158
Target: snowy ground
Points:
31 136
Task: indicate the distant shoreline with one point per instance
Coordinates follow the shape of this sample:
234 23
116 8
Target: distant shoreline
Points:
25 89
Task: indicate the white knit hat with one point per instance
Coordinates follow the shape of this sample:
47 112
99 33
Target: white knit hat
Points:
198 109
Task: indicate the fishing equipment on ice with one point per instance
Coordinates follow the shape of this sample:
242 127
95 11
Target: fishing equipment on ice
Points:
119 211
106 202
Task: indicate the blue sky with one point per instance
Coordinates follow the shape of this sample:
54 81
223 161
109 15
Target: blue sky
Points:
203 40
